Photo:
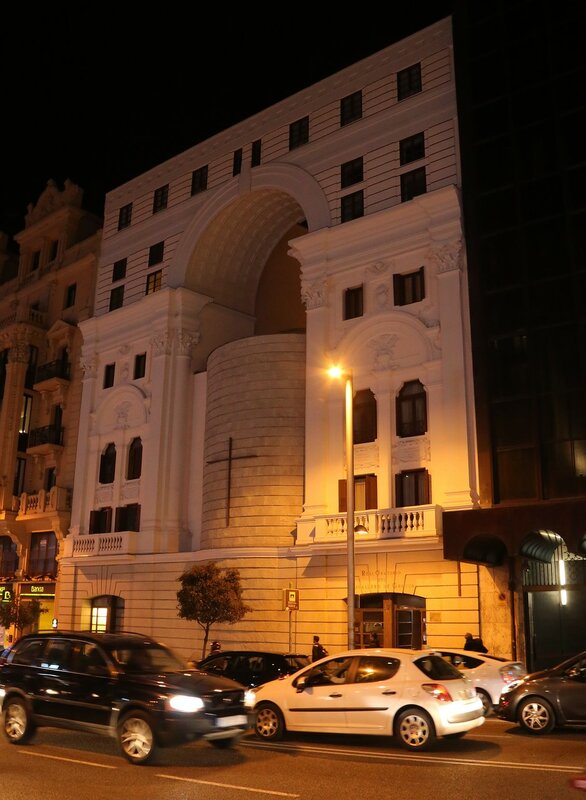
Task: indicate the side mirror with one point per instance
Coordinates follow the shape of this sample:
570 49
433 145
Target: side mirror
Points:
300 684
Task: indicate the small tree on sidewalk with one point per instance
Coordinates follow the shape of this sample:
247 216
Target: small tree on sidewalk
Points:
20 613
209 595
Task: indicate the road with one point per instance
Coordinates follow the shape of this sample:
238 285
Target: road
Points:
494 762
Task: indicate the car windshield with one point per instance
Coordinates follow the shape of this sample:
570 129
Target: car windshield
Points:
146 658
437 668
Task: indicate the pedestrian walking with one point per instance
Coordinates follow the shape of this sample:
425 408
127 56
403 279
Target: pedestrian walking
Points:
318 650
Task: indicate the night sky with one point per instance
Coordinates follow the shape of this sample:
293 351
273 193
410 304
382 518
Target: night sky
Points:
101 100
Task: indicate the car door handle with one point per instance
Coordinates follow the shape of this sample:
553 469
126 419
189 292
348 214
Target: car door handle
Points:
390 691
336 694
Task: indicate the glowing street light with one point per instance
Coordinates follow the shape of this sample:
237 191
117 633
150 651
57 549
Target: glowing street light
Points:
336 372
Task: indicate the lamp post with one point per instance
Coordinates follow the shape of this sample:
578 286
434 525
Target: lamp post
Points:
348 412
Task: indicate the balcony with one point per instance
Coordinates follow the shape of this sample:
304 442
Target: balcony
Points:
56 499
411 522
100 544
52 376
45 441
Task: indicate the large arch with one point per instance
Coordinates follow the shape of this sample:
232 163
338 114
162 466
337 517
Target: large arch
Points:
223 252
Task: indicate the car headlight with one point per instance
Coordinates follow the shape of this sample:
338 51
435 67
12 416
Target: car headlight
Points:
249 698
512 685
2 693
186 703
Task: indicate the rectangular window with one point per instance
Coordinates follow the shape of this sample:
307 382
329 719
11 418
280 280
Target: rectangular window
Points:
408 81
70 295
412 184
353 302
256 153
18 487
199 180
153 283
352 206
24 425
298 133
351 172
409 288
351 108
412 488
365 493
109 372
125 216
50 478
139 366
53 249
412 148
116 298
156 253
160 198
43 554
128 518
101 520
31 369
35 260
119 270
237 162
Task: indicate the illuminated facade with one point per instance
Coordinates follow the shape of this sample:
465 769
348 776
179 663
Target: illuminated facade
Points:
327 228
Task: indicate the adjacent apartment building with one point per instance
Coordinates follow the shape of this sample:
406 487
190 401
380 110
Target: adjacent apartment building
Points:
324 230
45 293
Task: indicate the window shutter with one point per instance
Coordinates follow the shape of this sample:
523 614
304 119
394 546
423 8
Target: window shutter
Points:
371 491
342 495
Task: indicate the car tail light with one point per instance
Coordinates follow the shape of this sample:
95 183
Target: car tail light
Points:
438 691
511 673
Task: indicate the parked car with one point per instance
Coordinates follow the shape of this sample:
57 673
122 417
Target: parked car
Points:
413 695
489 674
252 667
550 698
124 685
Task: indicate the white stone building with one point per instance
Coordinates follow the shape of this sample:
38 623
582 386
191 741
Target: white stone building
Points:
324 229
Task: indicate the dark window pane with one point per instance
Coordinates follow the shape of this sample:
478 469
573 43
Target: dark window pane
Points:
353 303
351 108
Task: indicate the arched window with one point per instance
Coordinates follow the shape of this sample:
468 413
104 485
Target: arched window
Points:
108 464
134 459
364 417
412 410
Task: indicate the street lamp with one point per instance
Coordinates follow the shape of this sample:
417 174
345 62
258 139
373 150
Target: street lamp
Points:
336 372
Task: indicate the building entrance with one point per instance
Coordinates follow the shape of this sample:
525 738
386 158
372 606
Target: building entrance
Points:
390 619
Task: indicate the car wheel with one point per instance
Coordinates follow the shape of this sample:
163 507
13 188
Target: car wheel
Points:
136 737
18 727
269 724
486 702
536 715
414 729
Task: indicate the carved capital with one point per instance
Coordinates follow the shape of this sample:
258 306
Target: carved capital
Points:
447 257
314 296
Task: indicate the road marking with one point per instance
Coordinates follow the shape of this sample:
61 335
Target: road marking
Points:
426 759
227 786
72 760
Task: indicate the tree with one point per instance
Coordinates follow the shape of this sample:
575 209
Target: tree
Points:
209 595
21 613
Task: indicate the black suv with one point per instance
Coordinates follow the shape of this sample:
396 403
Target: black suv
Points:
124 685
252 667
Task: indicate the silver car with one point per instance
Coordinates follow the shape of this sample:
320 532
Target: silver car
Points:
413 695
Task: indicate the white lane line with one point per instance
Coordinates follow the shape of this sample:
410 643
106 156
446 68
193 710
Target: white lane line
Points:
415 758
228 786
72 760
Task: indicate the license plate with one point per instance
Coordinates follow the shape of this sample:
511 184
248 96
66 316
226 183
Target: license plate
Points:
227 722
